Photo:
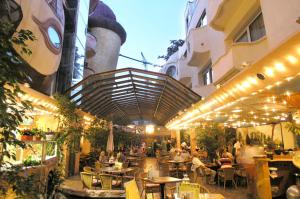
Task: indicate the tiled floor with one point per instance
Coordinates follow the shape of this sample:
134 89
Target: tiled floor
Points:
229 193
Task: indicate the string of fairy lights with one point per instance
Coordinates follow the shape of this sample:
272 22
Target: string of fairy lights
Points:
203 111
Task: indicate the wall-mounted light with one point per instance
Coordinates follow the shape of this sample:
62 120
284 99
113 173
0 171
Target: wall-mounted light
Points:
260 76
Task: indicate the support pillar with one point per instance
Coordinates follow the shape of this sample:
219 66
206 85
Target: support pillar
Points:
178 139
193 139
262 180
173 134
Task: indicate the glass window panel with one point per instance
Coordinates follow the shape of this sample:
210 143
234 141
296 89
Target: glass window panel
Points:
257 28
243 38
79 62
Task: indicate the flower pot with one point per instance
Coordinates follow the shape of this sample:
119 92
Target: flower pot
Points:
26 137
36 138
49 136
277 151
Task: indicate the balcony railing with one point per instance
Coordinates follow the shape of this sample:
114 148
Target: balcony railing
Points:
198 48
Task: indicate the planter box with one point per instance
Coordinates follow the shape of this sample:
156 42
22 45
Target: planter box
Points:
26 137
37 138
49 136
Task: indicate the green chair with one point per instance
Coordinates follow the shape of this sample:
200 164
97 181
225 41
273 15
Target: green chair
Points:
106 181
87 180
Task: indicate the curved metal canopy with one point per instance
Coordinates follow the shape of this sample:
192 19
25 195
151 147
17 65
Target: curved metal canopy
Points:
132 94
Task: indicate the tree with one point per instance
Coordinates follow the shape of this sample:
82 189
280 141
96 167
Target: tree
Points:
175 44
12 110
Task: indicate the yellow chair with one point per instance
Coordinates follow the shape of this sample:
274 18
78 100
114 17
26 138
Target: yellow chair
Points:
87 169
131 189
192 187
98 166
106 181
87 180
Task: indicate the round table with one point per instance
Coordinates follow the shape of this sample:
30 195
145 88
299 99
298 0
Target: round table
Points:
162 181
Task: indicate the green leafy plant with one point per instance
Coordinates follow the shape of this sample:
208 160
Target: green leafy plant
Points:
31 162
97 134
33 132
54 180
295 129
12 110
70 130
175 44
211 138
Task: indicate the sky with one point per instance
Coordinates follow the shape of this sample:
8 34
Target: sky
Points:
150 25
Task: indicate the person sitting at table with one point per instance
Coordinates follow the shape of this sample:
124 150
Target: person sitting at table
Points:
120 157
185 155
197 163
226 159
111 158
102 157
177 156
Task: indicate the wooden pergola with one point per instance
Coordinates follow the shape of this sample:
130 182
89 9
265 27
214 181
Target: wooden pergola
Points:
132 94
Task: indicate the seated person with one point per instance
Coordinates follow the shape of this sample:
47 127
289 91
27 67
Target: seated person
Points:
172 152
185 155
120 157
226 159
196 163
102 157
111 158
177 156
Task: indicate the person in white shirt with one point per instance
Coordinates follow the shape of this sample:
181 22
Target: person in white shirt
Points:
185 155
196 163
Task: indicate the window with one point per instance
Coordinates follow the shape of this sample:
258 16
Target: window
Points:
203 20
171 71
254 31
207 76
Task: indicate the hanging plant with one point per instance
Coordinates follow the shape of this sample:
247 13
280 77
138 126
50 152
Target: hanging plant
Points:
70 128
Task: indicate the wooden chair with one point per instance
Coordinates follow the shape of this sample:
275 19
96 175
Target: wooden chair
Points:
106 181
132 175
226 174
131 189
203 189
241 175
87 180
198 174
148 187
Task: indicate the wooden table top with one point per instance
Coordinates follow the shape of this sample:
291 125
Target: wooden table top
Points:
163 180
178 161
113 170
93 193
205 196
131 158
211 196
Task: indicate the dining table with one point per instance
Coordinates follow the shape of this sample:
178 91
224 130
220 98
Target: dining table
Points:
177 164
162 181
115 171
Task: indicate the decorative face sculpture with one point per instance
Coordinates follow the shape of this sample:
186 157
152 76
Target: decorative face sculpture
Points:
45 18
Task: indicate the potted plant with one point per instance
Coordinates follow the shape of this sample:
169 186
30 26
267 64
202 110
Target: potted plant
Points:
26 135
38 134
31 162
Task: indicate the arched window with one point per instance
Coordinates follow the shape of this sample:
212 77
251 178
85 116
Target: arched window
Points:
171 71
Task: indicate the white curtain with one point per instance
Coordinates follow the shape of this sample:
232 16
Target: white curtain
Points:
110 140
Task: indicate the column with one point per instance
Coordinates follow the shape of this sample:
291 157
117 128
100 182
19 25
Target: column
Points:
178 139
262 180
192 132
